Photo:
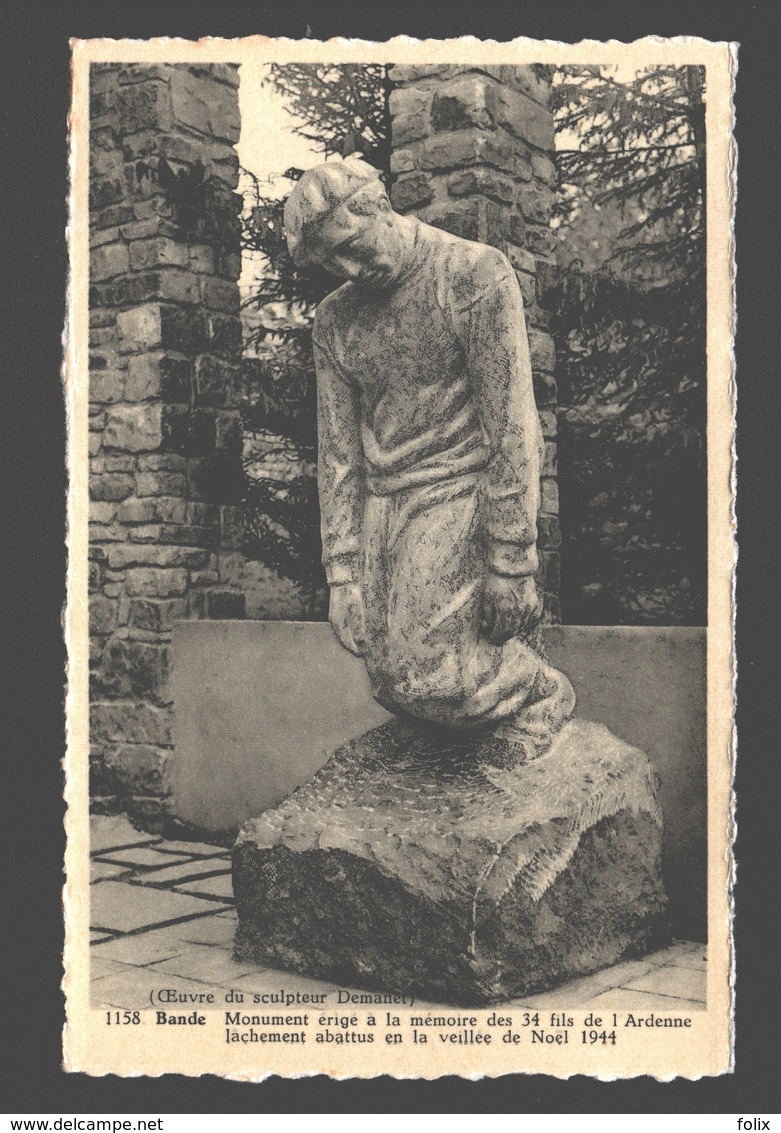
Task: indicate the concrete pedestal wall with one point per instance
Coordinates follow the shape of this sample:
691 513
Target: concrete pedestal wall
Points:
259 706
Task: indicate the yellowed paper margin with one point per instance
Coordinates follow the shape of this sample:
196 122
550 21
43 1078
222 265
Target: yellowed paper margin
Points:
705 1046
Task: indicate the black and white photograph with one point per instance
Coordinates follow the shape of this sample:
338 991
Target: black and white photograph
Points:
400 593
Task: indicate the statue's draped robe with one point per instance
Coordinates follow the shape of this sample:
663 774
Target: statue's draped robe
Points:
429 476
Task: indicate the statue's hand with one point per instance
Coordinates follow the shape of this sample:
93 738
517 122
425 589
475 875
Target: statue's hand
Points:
511 608
345 613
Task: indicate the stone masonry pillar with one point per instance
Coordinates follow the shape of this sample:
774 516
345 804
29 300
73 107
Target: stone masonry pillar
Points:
472 153
165 432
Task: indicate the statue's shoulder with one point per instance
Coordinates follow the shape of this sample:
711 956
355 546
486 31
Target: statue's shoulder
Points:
461 257
329 309
465 267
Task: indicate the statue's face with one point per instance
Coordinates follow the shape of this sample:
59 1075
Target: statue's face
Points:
367 249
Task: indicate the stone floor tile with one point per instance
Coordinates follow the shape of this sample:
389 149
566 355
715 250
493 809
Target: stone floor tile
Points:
622 999
204 964
100 968
192 867
115 830
145 947
137 856
573 994
197 849
681 952
100 871
122 907
219 886
266 980
582 990
209 930
132 988
696 960
684 983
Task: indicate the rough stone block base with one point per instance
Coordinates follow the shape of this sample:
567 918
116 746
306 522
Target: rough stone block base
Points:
404 867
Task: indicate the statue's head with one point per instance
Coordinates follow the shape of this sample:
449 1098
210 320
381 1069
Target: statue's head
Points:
339 216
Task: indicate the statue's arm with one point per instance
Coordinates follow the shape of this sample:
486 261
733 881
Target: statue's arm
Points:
339 468
492 329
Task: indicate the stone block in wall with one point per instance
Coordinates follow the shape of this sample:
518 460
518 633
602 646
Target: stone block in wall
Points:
155 375
123 721
549 467
403 161
411 191
131 73
160 484
522 260
102 615
156 615
549 495
215 381
551 562
535 203
145 104
540 241
140 328
107 387
203 258
135 668
408 128
462 218
221 295
195 105
481 181
543 351
187 535
156 582
411 72
137 769
191 432
232 528
102 512
218 478
545 389
525 118
143 511
110 486
526 284
230 433
224 336
465 147
548 531
108 260
133 428
124 555
183 329
154 251
549 423
412 101
524 78
461 103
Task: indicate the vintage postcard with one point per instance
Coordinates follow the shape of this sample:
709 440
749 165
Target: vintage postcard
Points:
400 706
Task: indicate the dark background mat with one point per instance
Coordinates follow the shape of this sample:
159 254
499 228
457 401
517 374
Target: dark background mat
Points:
36 87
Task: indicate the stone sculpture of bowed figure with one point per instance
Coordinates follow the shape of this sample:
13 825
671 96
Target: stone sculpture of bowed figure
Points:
482 844
429 466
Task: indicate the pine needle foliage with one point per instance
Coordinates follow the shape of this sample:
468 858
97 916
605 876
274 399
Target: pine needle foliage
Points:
631 349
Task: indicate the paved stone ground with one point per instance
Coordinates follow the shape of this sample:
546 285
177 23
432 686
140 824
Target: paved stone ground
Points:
162 915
